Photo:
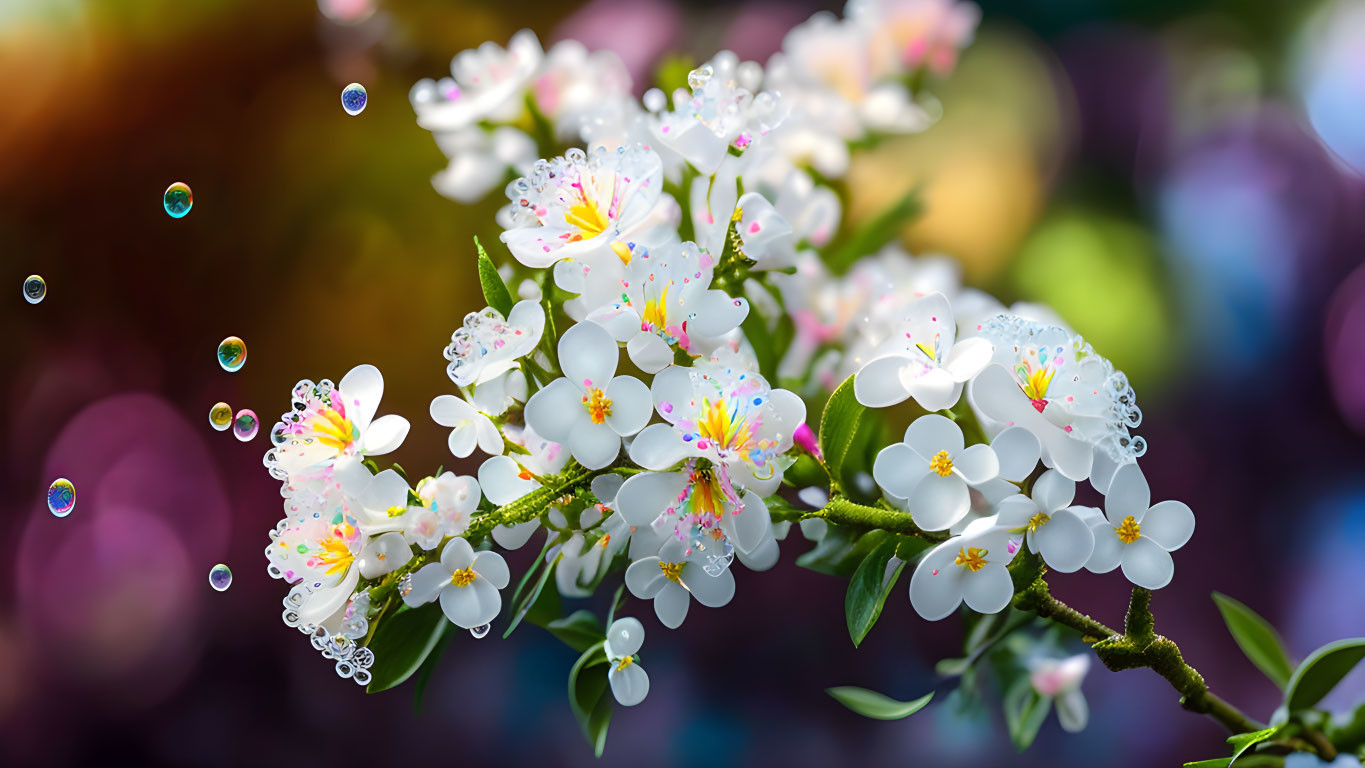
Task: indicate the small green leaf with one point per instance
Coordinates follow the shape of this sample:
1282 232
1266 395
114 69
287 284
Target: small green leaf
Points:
1321 671
618 601
1025 712
839 426
494 289
1244 741
874 233
402 643
876 705
839 553
429 665
1221 762
1257 639
530 599
579 630
868 588
587 696
671 73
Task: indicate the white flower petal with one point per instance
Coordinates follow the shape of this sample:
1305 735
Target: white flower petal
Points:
644 579
463 440
937 502
557 411
588 355
501 481
1108 552
1053 491
1146 564
751 524
715 313
624 638
670 604
631 405
1072 711
1065 542
385 434
1129 495
491 566
977 464
933 433
936 585
643 497
594 445
361 387
657 446
629 684
1170 524
897 469
490 439
988 590
650 353
968 357
427 582
1018 451
710 591
384 554
471 606
386 489
878 384
457 555
513 537
762 557
934 389
605 487
672 391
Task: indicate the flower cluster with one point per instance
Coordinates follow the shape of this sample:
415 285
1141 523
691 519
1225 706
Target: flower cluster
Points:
691 232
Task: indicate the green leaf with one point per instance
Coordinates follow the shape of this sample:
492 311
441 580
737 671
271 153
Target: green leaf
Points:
1321 671
1221 762
402 643
875 705
1244 741
1025 712
494 289
768 345
868 588
531 598
618 601
1257 639
839 553
874 233
579 630
839 426
429 665
587 689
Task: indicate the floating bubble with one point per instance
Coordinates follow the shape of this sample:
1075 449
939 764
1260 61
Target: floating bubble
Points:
353 99
232 354
35 288
220 416
220 577
178 199
61 497
480 631
245 425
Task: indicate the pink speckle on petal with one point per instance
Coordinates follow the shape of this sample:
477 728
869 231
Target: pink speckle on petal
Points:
935 573
753 228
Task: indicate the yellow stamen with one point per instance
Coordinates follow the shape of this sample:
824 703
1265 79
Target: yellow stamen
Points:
1035 387
656 310
705 499
928 351
463 577
973 559
599 407
715 425
941 464
395 511
588 218
625 661
336 554
622 252
672 571
1128 532
333 430
1038 521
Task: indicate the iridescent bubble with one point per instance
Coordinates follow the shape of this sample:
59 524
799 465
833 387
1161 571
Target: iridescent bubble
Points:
61 497
480 631
220 416
35 288
245 425
232 354
178 199
220 577
353 99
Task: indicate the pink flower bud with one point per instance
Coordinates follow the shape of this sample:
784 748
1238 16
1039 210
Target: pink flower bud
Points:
805 437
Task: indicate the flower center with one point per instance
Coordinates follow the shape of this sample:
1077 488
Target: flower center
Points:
463 577
622 251
1038 521
724 426
395 511
672 571
336 555
599 407
1035 383
587 218
973 558
1128 532
332 429
941 464
625 661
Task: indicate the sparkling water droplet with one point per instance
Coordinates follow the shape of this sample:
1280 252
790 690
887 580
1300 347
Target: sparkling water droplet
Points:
178 199
699 76
353 99
35 288
220 577
232 354
655 100
245 425
61 497
480 631
220 416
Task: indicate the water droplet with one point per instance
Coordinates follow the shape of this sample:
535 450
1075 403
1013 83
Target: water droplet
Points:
232 354
699 76
655 100
61 497
480 631
220 416
245 425
178 199
220 577
353 99
35 288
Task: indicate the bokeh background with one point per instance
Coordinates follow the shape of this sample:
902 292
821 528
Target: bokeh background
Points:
1181 179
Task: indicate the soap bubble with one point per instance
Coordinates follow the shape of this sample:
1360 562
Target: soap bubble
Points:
220 416
220 577
232 354
353 99
245 425
61 497
480 631
35 289
178 199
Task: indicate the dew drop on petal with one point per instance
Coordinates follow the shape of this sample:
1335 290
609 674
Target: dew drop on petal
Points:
220 416
353 99
245 425
178 199
220 577
61 497
480 631
232 354
35 289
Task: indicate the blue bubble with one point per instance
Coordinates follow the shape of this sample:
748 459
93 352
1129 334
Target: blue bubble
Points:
353 99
